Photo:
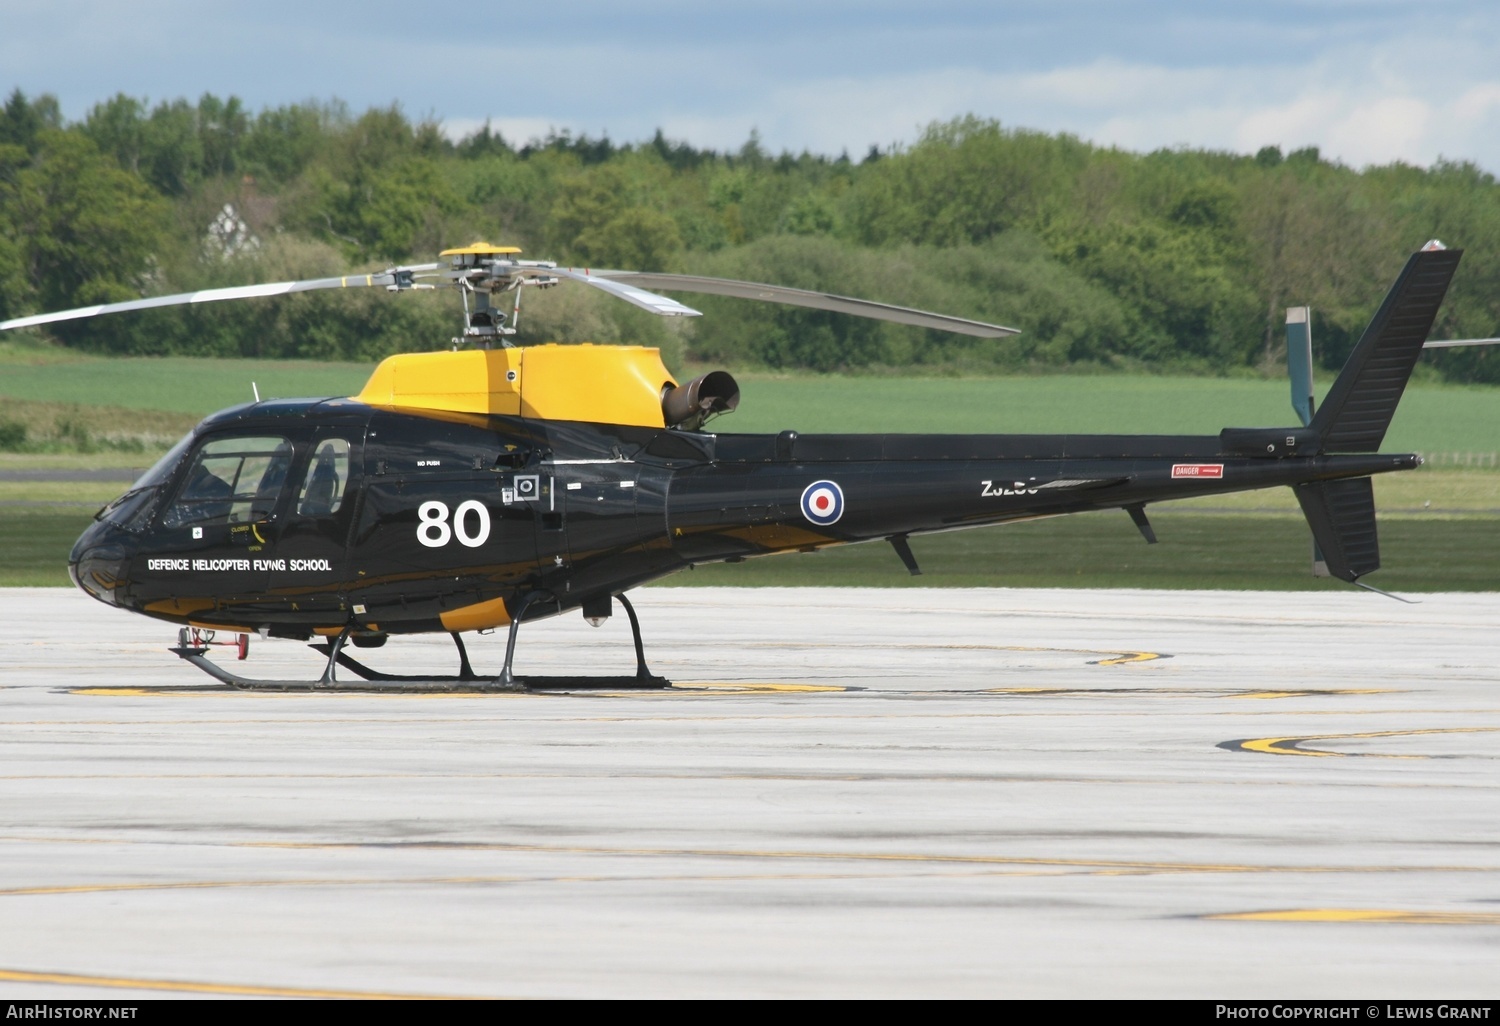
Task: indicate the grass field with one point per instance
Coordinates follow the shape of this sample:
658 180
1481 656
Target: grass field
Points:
1432 418
35 541
1440 529
173 384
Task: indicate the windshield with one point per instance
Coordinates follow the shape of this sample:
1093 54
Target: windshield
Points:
162 468
131 510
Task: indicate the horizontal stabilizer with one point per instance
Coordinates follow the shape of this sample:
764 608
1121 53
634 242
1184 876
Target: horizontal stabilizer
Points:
1342 517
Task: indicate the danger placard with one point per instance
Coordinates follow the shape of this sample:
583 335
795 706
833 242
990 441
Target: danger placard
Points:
1213 470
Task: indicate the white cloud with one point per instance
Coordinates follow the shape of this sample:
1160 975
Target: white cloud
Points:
1360 108
1386 129
1292 125
1367 81
1478 103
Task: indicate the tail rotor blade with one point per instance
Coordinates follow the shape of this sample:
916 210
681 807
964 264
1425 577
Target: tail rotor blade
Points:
1299 360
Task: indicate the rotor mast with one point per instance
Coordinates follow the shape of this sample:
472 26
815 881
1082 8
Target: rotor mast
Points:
479 272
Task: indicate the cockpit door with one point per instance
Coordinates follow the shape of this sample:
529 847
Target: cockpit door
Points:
310 571
211 548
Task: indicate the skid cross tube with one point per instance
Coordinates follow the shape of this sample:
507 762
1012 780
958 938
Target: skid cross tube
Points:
465 671
641 670
507 679
328 678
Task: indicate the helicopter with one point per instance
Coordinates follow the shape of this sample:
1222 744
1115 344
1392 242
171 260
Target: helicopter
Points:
491 485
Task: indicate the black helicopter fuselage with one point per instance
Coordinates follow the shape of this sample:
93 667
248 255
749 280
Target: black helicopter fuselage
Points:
300 516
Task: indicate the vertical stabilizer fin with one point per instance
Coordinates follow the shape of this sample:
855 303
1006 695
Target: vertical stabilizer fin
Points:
1342 517
1359 407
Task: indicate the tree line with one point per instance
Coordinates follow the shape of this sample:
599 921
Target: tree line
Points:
1175 260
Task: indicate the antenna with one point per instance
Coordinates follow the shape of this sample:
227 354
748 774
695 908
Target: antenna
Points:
255 391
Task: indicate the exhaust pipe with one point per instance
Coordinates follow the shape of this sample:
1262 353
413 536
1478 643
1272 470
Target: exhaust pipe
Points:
686 407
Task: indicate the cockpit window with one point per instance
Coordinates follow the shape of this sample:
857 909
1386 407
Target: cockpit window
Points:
327 474
232 480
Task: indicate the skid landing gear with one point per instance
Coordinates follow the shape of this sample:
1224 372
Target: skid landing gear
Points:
193 645
643 678
202 640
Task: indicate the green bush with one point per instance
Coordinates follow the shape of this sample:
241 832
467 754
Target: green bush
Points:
12 435
1176 260
72 435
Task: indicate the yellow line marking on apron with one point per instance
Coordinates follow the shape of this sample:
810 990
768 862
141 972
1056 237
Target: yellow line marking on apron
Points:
750 688
904 857
1111 865
1292 745
1364 915
1314 693
226 691
1129 657
1200 692
196 987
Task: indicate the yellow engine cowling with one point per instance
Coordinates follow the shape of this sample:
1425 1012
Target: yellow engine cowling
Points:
599 384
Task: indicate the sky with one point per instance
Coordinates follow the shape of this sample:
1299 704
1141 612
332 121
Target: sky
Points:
1366 81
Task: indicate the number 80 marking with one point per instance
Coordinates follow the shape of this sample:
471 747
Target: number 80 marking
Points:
433 530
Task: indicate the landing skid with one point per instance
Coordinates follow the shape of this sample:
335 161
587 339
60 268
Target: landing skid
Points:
466 679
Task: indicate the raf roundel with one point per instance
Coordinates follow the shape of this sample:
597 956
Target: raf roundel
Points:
823 502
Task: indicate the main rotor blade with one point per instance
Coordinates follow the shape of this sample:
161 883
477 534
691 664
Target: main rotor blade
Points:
814 300
386 279
640 297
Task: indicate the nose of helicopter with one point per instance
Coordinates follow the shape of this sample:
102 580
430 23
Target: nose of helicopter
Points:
100 561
